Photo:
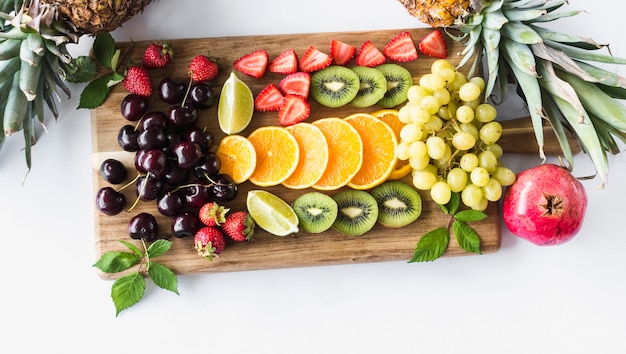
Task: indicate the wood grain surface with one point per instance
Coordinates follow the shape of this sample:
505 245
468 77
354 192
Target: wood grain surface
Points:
267 251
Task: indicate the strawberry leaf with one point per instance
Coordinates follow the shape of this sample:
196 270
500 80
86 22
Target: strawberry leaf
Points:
453 205
114 262
127 291
104 48
163 277
158 247
431 246
470 215
466 237
132 247
81 69
96 92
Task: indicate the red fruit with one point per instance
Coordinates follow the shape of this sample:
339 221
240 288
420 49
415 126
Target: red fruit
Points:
239 226
285 63
158 55
253 64
138 81
269 99
434 45
203 68
546 205
209 242
294 110
313 60
401 48
296 84
212 214
341 52
369 55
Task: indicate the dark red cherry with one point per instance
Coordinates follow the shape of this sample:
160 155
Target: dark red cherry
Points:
202 95
133 107
171 91
143 226
187 154
153 118
185 224
113 171
182 117
109 201
127 138
171 203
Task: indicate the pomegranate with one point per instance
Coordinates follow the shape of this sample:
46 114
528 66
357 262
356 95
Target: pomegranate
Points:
546 205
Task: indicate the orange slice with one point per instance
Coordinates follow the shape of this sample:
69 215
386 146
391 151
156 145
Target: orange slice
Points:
313 156
237 156
277 155
345 153
390 116
379 150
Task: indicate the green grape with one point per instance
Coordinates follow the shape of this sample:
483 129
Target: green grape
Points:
418 149
469 128
411 132
442 95
419 162
468 162
416 93
440 192
444 162
448 111
469 91
402 150
478 81
472 104
457 179
430 104
447 74
464 114
458 82
485 113
488 161
424 180
463 141
436 147
482 204
440 64
404 113
436 82
490 132
479 176
434 124
418 114
495 148
471 195
505 176
492 190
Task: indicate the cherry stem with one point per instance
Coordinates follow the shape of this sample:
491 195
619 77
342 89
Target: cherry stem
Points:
182 104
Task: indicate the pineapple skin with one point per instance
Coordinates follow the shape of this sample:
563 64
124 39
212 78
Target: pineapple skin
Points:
437 13
98 16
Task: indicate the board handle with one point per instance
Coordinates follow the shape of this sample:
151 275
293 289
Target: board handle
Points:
518 136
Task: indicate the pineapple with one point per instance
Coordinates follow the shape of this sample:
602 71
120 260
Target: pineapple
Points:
553 72
34 60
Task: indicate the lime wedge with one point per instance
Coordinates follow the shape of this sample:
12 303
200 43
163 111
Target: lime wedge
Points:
271 213
235 106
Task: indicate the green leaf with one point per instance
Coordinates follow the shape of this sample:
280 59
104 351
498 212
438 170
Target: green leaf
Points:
81 69
127 291
431 246
96 92
115 60
132 247
104 48
114 262
470 215
158 247
163 277
466 237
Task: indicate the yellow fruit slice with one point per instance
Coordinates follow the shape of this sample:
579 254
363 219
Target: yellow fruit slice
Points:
390 116
235 106
277 155
345 153
313 156
271 213
379 150
237 156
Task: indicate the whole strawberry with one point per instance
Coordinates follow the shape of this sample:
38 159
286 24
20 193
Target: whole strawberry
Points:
138 81
203 68
212 214
158 55
209 242
239 226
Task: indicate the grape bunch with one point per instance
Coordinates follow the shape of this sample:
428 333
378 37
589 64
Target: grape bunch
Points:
176 166
450 139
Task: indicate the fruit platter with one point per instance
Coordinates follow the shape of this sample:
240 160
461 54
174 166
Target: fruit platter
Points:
264 250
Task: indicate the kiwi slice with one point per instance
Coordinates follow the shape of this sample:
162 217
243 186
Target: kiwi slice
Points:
399 204
334 86
357 214
316 211
399 80
372 86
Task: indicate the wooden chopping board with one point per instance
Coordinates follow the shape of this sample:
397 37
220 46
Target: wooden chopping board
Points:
267 251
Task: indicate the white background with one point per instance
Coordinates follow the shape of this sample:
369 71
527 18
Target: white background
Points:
522 299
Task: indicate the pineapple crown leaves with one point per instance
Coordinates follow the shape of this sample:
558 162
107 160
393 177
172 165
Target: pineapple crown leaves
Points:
129 289
434 243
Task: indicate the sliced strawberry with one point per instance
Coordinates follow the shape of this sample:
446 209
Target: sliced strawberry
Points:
313 60
296 84
253 64
369 55
285 63
294 110
341 52
401 48
434 45
269 99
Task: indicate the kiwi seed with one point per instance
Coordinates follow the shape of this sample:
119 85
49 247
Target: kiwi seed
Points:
357 214
399 204
372 87
316 211
334 86
399 80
